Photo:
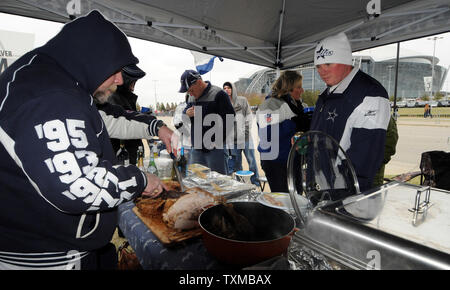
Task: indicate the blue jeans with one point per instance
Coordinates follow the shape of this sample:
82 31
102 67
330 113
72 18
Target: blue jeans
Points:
212 159
276 174
235 162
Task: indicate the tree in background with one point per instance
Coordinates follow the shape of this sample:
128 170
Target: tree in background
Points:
254 99
438 96
310 97
391 98
425 98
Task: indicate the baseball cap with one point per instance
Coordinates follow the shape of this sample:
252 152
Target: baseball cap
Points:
333 49
132 71
188 78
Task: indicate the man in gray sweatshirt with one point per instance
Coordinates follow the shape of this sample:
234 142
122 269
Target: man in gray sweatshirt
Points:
242 138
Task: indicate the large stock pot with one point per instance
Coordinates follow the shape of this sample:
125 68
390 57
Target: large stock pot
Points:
271 233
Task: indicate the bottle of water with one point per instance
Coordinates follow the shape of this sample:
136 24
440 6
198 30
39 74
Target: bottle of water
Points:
123 157
152 165
182 163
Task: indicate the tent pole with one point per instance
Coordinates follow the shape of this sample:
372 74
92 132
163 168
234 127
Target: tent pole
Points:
245 48
412 23
177 37
394 14
396 81
279 31
209 48
300 52
45 8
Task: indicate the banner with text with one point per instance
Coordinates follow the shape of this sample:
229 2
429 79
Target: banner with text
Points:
12 46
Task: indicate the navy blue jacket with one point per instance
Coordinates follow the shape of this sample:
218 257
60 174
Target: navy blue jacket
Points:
356 114
60 186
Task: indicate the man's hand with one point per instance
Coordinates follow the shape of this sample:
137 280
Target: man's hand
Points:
190 112
170 140
154 186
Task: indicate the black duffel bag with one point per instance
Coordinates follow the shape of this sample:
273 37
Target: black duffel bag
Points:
435 169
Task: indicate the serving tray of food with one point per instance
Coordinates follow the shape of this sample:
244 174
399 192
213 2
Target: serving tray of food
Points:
215 183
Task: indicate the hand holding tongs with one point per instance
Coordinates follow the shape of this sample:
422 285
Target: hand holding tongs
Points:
177 172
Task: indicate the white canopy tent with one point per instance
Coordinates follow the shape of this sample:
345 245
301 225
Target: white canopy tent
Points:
272 33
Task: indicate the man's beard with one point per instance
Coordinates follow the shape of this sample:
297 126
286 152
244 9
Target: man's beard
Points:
102 96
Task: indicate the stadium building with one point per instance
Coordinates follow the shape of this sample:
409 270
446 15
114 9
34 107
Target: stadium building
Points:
414 76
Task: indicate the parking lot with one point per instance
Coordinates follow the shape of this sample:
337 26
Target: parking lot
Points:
418 135
420 104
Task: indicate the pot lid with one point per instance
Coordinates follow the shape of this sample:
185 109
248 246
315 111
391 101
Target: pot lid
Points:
319 169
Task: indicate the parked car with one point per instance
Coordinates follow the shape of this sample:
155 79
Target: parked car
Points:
411 104
420 103
433 103
443 103
401 104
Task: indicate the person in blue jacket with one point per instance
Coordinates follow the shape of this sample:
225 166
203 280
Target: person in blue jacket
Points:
278 118
354 109
212 117
60 184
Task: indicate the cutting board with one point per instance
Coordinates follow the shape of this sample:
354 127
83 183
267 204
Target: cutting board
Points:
167 235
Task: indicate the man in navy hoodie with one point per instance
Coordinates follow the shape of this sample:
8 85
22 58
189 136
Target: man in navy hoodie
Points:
60 185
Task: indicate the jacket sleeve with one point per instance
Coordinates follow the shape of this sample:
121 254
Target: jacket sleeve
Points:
224 108
246 109
365 136
62 147
178 116
124 124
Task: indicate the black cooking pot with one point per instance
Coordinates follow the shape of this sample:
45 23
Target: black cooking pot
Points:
269 236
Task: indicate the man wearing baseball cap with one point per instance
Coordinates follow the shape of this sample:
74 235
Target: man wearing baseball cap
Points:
125 97
208 107
354 109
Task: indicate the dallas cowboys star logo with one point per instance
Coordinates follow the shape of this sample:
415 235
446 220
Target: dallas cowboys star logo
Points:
332 115
321 53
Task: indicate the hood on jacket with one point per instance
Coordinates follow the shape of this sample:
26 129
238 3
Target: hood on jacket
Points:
233 91
90 49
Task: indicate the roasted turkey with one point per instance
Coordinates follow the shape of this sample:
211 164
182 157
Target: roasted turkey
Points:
183 214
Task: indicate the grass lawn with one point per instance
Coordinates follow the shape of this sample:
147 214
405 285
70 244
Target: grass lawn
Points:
435 111
415 180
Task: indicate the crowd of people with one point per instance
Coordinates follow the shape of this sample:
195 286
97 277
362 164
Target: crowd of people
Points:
67 105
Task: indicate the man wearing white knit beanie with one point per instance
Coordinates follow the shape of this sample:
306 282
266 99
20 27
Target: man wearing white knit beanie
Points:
354 109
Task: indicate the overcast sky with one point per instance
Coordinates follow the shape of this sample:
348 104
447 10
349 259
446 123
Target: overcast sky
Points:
165 64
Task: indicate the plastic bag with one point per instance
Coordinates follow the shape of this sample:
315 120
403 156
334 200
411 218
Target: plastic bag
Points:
127 258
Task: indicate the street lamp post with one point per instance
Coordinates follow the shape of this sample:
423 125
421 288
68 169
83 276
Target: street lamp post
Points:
432 63
156 101
389 81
